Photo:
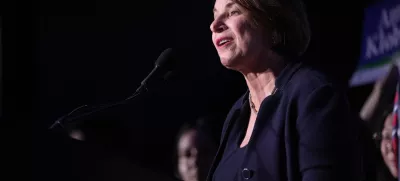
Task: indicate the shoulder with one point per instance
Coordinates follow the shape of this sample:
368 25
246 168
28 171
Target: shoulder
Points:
307 80
310 93
314 98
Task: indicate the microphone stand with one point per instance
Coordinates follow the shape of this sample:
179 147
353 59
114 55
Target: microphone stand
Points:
161 63
68 119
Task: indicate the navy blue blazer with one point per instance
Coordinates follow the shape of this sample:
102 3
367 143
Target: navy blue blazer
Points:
303 132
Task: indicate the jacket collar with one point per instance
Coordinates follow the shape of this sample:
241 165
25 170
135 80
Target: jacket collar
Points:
282 79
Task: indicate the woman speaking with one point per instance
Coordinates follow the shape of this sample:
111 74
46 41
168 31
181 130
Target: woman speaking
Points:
292 123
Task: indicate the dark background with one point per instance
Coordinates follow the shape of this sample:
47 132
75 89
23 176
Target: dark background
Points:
99 51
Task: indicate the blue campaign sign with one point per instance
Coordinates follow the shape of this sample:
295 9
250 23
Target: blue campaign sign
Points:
381 32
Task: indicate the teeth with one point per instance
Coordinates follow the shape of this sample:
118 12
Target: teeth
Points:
223 41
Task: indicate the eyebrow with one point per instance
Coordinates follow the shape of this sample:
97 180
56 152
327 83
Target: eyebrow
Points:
229 5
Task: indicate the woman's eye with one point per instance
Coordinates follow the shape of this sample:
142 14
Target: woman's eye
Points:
234 12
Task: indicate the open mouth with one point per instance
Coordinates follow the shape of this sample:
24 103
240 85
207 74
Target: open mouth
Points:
224 41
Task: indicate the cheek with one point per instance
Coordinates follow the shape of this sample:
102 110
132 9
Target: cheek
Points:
386 153
384 149
243 31
182 165
250 37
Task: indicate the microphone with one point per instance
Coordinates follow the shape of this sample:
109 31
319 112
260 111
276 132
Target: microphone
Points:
163 65
165 62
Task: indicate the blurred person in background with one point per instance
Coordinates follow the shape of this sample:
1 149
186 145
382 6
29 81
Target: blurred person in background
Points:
387 170
377 113
195 150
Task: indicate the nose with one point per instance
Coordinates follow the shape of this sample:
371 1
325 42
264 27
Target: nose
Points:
217 26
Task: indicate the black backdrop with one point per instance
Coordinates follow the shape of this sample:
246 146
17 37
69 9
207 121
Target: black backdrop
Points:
98 52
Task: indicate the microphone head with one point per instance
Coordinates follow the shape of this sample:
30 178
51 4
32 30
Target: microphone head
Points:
165 59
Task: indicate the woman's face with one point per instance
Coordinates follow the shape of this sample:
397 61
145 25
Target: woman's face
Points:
386 146
238 43
195 154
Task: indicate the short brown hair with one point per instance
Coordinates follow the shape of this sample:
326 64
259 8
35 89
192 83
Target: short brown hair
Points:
285 19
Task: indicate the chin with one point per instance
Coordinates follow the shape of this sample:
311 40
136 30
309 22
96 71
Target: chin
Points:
225 63
230 63
393 170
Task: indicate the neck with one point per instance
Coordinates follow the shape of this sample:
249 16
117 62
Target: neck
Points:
260 86
262 83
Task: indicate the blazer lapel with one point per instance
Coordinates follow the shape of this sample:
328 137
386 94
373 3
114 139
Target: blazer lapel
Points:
230 121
